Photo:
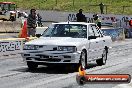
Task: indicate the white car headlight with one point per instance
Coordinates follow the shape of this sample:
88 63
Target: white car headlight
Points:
30 47
67 48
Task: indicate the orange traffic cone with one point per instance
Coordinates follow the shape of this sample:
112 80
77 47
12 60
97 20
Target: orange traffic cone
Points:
23 33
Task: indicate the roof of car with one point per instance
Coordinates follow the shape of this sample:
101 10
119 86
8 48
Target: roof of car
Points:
84 23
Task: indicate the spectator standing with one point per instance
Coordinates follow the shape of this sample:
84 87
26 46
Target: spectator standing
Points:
31 23
101 5
80 16
97 20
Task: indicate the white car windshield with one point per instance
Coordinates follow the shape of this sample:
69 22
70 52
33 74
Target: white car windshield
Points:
66 30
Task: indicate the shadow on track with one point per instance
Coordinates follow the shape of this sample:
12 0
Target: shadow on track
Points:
59 69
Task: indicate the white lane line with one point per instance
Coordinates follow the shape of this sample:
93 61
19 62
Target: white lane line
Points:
129 85
10 74
7 74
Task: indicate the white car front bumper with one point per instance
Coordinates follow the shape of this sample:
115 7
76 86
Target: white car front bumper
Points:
52 57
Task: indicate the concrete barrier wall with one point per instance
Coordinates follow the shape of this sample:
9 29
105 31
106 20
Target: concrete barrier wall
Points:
8 26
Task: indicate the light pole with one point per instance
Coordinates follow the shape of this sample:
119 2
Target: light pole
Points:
39 4
56 2
73 3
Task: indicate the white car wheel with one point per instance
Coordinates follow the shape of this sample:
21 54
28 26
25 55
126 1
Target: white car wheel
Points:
104 57
102 61
83 59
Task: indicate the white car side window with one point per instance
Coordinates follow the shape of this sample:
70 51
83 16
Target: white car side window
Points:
100 32
90 31
95 30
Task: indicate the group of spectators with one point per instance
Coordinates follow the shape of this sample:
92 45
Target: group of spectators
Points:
33 17
81 18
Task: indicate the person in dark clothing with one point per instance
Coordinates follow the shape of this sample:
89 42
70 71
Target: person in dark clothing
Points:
39 18
101 5
81 17
31 23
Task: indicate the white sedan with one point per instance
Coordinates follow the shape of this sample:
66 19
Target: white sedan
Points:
68 43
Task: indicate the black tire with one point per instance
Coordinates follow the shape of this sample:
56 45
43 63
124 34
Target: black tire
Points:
80 80
83 59
102 61
32 65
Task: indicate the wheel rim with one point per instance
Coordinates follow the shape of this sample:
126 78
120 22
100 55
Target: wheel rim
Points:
104 56
83 59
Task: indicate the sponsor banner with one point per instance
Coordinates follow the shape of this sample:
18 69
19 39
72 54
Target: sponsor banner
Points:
83 78
103 78
12 45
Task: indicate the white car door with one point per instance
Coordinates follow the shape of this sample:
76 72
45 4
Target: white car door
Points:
99 41
93 44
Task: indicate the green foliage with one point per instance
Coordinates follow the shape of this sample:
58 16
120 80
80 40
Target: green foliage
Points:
114 6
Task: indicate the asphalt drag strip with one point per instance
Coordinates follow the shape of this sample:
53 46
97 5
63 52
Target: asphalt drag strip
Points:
15 74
